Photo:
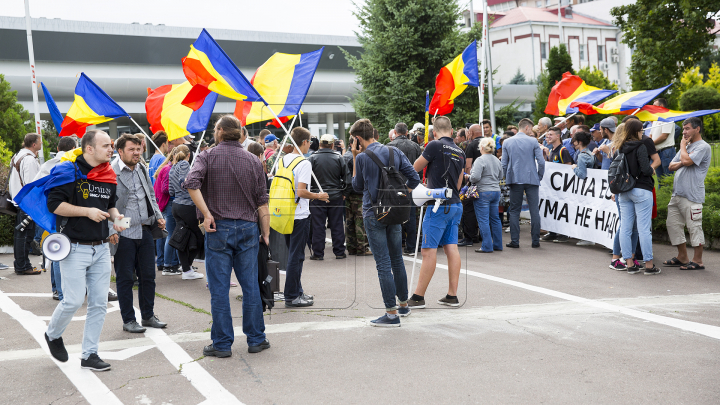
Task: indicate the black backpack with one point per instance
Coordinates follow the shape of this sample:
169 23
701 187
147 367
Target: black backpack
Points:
393 197
619 175
264 279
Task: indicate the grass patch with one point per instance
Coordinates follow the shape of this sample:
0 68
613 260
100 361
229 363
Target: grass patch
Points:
194 308
207 330
113 279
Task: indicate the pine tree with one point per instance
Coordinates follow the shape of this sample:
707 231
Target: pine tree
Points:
15 121
519 78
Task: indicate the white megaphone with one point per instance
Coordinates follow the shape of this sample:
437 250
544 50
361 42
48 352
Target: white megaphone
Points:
56 247
422 194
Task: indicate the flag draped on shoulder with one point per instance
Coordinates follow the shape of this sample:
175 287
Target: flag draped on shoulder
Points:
625 102
57 118
571 89
33 197
165 111
453 79
657 113
283 82
92 106
208 68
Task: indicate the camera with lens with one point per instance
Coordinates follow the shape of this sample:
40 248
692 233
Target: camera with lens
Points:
24 223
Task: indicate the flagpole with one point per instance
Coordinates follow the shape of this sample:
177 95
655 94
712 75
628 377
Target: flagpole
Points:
287 135
488 59
417 245
282 145
196 151
31 53
143 131
564 119
483 52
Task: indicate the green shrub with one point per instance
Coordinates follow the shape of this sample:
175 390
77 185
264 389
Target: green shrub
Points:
7 225
700 98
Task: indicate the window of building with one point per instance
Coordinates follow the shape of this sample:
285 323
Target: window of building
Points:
538 3
543 50
506 6
601 53
582 52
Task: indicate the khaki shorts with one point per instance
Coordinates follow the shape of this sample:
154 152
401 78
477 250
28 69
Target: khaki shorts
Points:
683 212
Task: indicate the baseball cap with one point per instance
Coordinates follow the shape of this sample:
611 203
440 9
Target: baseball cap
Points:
559 119
327 138
608 123
270 138
418 126
595 127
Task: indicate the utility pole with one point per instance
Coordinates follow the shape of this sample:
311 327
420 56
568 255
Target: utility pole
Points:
33 81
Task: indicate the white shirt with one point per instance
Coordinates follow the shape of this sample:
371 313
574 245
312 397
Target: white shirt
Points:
658 128
48 166
302 173
29 168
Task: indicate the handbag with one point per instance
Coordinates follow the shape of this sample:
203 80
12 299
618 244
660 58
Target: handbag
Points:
6 205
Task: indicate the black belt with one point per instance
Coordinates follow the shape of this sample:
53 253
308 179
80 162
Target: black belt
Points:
665 148
93 243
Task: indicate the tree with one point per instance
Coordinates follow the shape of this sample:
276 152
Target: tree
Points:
558 62
595 77
15 121
706 62
405 44
50 138
518 79
667 36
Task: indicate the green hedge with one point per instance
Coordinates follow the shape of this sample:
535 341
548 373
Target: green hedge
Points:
711 208
7 224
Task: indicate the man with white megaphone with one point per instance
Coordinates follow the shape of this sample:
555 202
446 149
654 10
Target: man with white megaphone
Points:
83 207
445 162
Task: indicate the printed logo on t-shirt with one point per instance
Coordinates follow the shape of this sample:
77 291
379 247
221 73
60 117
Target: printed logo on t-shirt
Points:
90 190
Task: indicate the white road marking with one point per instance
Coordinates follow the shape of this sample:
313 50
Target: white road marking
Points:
200 378
124 354
114 306
418 318
43 295
89 385
700 328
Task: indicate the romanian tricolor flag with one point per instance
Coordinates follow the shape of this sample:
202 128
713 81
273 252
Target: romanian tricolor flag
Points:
657 113
283 82
208 68
453 79
57 118
573 89
165 111
625 102
92 106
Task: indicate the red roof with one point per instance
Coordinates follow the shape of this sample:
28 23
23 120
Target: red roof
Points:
524 14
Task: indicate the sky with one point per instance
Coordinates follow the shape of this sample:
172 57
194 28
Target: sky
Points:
323 17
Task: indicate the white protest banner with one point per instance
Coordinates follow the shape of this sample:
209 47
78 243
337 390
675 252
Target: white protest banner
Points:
579 208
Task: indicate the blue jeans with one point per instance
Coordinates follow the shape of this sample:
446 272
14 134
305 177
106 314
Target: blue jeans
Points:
666 157
296 256
56 279
636 203
634 238
486 212
38 233
386 245
234 246
409 228
135 256
86 269
170 256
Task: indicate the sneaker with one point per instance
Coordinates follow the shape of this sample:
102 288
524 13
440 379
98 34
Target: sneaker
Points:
56 296
617 265
161 268
651 272
308 297
416 304
313 257
639 264
507 230
57 348
404 311
585 243
298 302
548 237
94 363
633 270
171 271
385 322
342 256
211 351
192 275
258 348
112 296
561 239
465 242
4 266
448 301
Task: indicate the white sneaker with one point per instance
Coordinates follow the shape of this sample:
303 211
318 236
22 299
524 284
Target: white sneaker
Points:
191 275
507 230
585 243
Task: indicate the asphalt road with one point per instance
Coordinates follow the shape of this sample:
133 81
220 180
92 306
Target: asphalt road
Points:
549 325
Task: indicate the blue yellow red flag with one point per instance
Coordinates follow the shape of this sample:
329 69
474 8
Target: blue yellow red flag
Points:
283 81
625 102
453 79
571 89
657 113
208 68
57 118
91 106
165 111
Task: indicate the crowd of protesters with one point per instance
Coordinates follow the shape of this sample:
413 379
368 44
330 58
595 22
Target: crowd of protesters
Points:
193 201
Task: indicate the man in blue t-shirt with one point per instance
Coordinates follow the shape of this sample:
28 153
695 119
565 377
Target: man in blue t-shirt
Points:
445 162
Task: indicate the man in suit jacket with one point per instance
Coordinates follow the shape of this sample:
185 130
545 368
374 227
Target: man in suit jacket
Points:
134 248
523 166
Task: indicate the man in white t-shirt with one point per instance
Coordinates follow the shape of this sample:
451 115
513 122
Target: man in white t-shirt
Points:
296 241
662 134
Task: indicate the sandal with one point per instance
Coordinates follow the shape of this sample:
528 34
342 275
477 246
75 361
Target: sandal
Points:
674 262
692 266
